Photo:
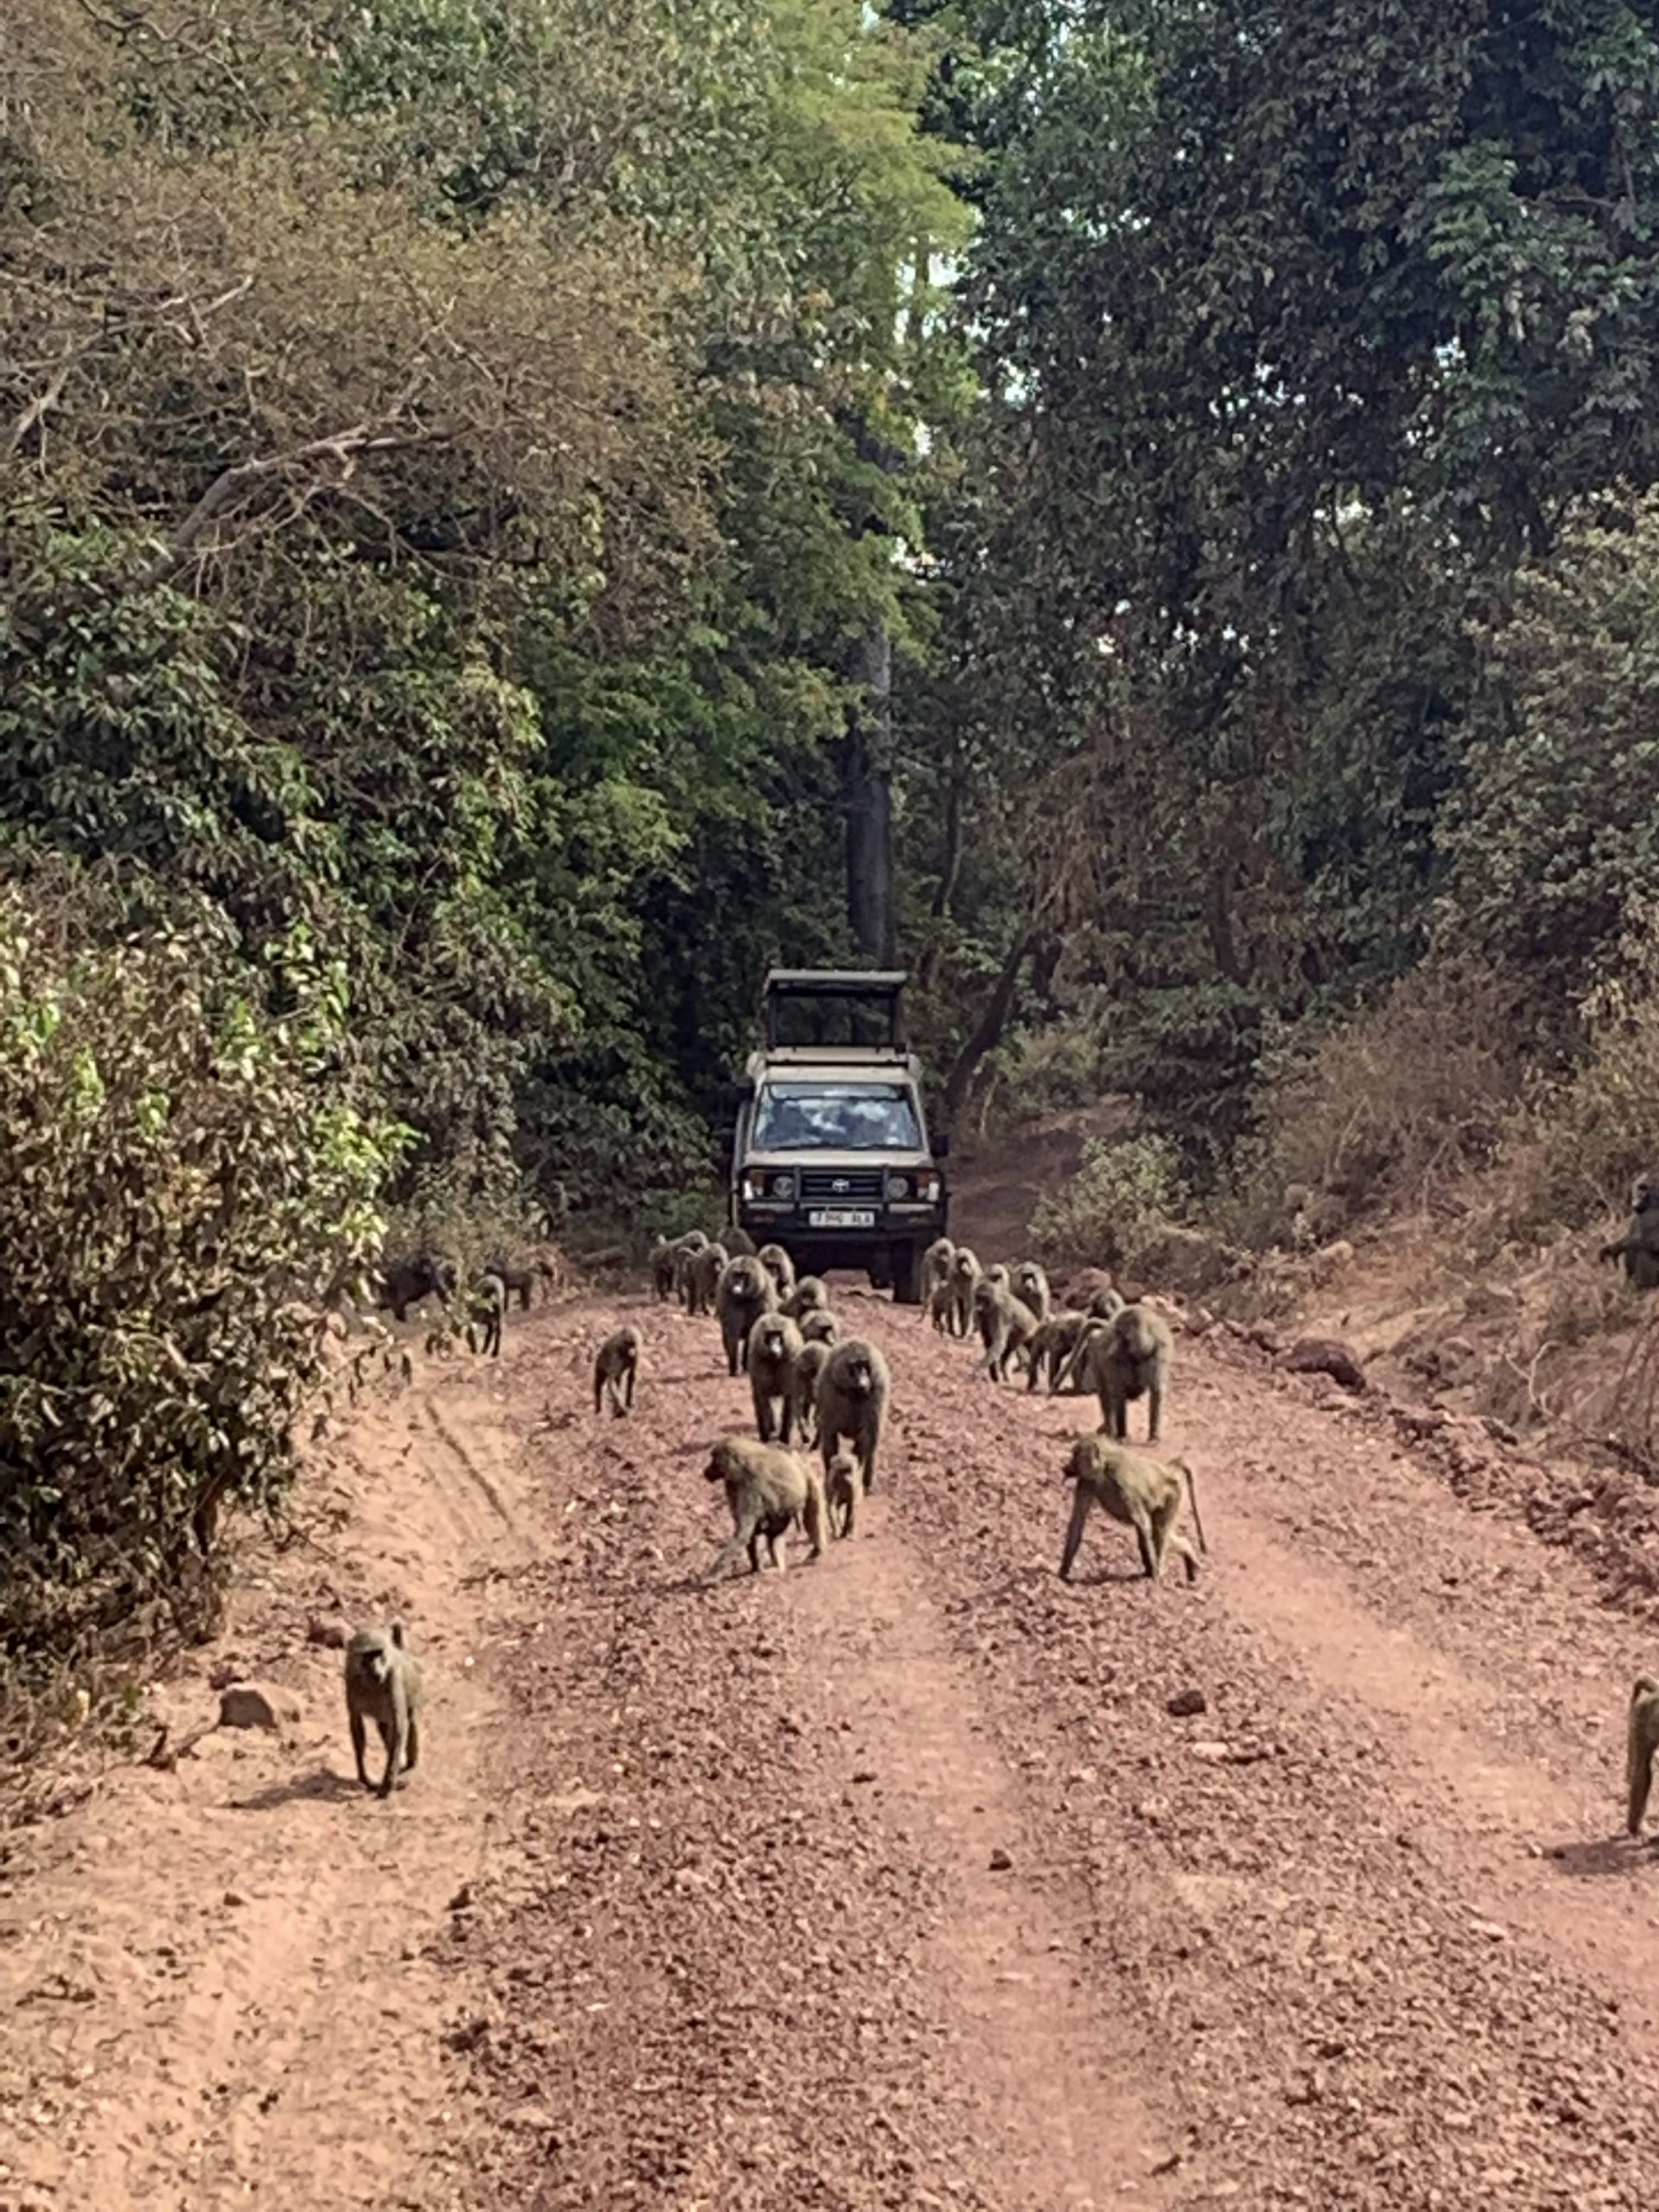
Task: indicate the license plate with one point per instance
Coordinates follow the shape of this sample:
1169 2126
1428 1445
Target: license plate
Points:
841 1218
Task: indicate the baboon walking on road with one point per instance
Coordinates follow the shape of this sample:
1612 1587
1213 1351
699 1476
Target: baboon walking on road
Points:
766 1489
1139 1492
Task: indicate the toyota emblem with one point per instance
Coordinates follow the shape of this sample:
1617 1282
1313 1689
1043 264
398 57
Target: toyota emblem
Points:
841 1184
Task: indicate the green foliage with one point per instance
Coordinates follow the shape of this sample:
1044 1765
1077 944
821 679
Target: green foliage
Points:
1127 1191
1599 1129
185 1184
1556 830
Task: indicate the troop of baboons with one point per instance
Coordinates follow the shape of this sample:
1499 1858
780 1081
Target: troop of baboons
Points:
815 1391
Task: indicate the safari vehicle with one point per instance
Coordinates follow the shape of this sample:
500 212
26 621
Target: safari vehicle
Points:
831 1157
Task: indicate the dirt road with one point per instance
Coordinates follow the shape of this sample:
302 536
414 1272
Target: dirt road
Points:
888 1881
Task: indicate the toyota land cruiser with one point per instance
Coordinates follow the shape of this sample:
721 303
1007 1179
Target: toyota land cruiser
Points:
831 1158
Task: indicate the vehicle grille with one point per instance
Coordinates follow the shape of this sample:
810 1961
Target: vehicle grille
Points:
840 1186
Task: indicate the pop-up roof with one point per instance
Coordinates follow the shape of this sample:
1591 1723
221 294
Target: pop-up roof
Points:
858 1010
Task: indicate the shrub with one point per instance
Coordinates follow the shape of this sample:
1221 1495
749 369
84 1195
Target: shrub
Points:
1125 1193
1418 1085
1601 1128
185 1182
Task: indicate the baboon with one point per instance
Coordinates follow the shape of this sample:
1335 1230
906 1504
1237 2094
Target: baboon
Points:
936 1265
1050 1349
738 1243
744 1293
662 1268
489 1310
1638 1247
804 1373
821 1327
778 1265
808 1296
1130 1359
853 1393
1643 1740
965 1278
1076 1373
405 1282
1138 1491
998 1273
841 1493
686 1250
773 1341
383 1684
1031 1287
706 1266
1006 1326
516 1280
1106 1304
614 1368
767 1488
942 1307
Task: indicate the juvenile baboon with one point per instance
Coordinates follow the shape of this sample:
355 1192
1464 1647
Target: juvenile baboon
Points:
685 1256
936 1265
942 1307
773 1341
1051 1347
744 1293
1130 1359
778 1265
1638 1247
804 1373
662 1268
738 1243
615 1368
965 1278
405 1282
516 1280
841 1493
1106 1304
1031 1287
808 1296
383 1684
1076 1373
821 1327
853 1393
1139 1492
707 1268
489 1309
766 1489
1006 1326
1641 1742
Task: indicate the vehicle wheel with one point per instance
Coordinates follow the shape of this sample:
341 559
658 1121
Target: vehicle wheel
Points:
906 1275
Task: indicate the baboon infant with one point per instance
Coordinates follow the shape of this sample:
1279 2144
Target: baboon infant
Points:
766 1489
1138 1491
942 1307
853 1393
746 1293
841 1486
614 1368
383 1684
775 1342
1030 1288
1130 1359
1641 1742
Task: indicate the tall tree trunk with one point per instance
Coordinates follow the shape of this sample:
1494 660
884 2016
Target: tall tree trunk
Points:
866 792
987 1032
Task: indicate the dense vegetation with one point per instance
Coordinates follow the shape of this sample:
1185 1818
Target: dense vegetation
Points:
515 514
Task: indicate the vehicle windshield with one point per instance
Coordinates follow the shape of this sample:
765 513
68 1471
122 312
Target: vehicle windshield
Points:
836 1117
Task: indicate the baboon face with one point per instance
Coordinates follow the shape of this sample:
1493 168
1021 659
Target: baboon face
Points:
856 1380
745 1279
771 1339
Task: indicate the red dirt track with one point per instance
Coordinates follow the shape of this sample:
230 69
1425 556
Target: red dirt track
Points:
890 1881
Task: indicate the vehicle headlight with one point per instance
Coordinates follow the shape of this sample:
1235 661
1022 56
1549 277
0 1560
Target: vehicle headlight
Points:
898 1187
783 1187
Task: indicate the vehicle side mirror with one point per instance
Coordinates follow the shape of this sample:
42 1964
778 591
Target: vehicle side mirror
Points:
942 1146
746 1094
